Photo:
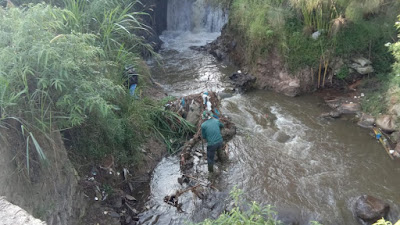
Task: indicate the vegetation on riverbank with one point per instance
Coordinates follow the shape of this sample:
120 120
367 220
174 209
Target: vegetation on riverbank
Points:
241 213
61 69
318 34
346 28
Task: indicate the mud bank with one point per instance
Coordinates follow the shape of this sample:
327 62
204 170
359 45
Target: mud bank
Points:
271 72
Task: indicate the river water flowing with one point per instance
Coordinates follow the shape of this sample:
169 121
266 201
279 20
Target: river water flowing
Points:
283 155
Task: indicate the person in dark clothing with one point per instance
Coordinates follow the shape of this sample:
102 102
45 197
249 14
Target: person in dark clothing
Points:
132 79
211 131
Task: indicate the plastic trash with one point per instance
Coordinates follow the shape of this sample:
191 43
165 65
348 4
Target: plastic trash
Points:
316 35
209 106
132 89
183 102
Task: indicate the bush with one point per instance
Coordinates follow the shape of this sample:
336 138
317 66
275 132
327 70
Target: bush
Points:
257 23
56 75
256 214
384 222
364 30
60 71
343 73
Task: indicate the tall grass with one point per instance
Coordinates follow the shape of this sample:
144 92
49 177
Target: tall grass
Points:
288 24
317 14
62 69
258 24
54 74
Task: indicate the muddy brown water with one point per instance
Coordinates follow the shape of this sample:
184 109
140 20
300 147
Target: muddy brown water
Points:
283 155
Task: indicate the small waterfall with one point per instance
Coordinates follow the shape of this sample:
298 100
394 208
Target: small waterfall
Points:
194 15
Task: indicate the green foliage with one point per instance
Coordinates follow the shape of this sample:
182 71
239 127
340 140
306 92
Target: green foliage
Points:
395 49
361 28
317 14
138 120
384 222
374 103
55 75
303 51
62 69
117 24
257 22
256 214
393 89
343 73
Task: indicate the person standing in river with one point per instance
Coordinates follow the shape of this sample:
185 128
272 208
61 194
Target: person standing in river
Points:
211 131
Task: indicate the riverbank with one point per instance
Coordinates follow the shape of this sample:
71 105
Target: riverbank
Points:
356 79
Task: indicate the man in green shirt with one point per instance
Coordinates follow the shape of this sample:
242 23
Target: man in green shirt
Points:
210 130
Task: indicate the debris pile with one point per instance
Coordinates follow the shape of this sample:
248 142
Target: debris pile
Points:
191 108
112 190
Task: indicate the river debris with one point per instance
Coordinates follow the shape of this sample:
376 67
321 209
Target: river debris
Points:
191 108
173 199
130 198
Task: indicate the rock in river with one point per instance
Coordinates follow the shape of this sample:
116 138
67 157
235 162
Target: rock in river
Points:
386 123
369 209
349 108
366 121
243 81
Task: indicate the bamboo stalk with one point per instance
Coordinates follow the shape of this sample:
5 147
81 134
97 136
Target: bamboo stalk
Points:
326 69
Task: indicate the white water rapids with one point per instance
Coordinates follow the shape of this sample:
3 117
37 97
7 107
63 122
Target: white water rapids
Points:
283 155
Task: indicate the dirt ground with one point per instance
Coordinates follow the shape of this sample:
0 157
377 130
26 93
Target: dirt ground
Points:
49 191
115 194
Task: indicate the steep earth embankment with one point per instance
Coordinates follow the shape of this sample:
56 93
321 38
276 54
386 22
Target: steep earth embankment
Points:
344 96
271 71
49 191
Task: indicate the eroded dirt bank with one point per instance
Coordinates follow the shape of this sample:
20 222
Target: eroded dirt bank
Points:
50 190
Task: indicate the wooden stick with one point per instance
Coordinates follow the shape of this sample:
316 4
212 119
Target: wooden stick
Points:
179 193
204 183
319 73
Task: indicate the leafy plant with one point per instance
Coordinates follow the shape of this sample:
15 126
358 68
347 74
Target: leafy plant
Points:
343 73
257 214
62 69
384 222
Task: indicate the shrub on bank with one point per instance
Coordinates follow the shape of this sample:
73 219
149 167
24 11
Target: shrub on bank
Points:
244 213
347 28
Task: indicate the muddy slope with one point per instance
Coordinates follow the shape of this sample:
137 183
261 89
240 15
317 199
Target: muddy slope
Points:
49 191
271 72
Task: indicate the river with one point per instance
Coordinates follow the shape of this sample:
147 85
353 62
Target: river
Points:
283 155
